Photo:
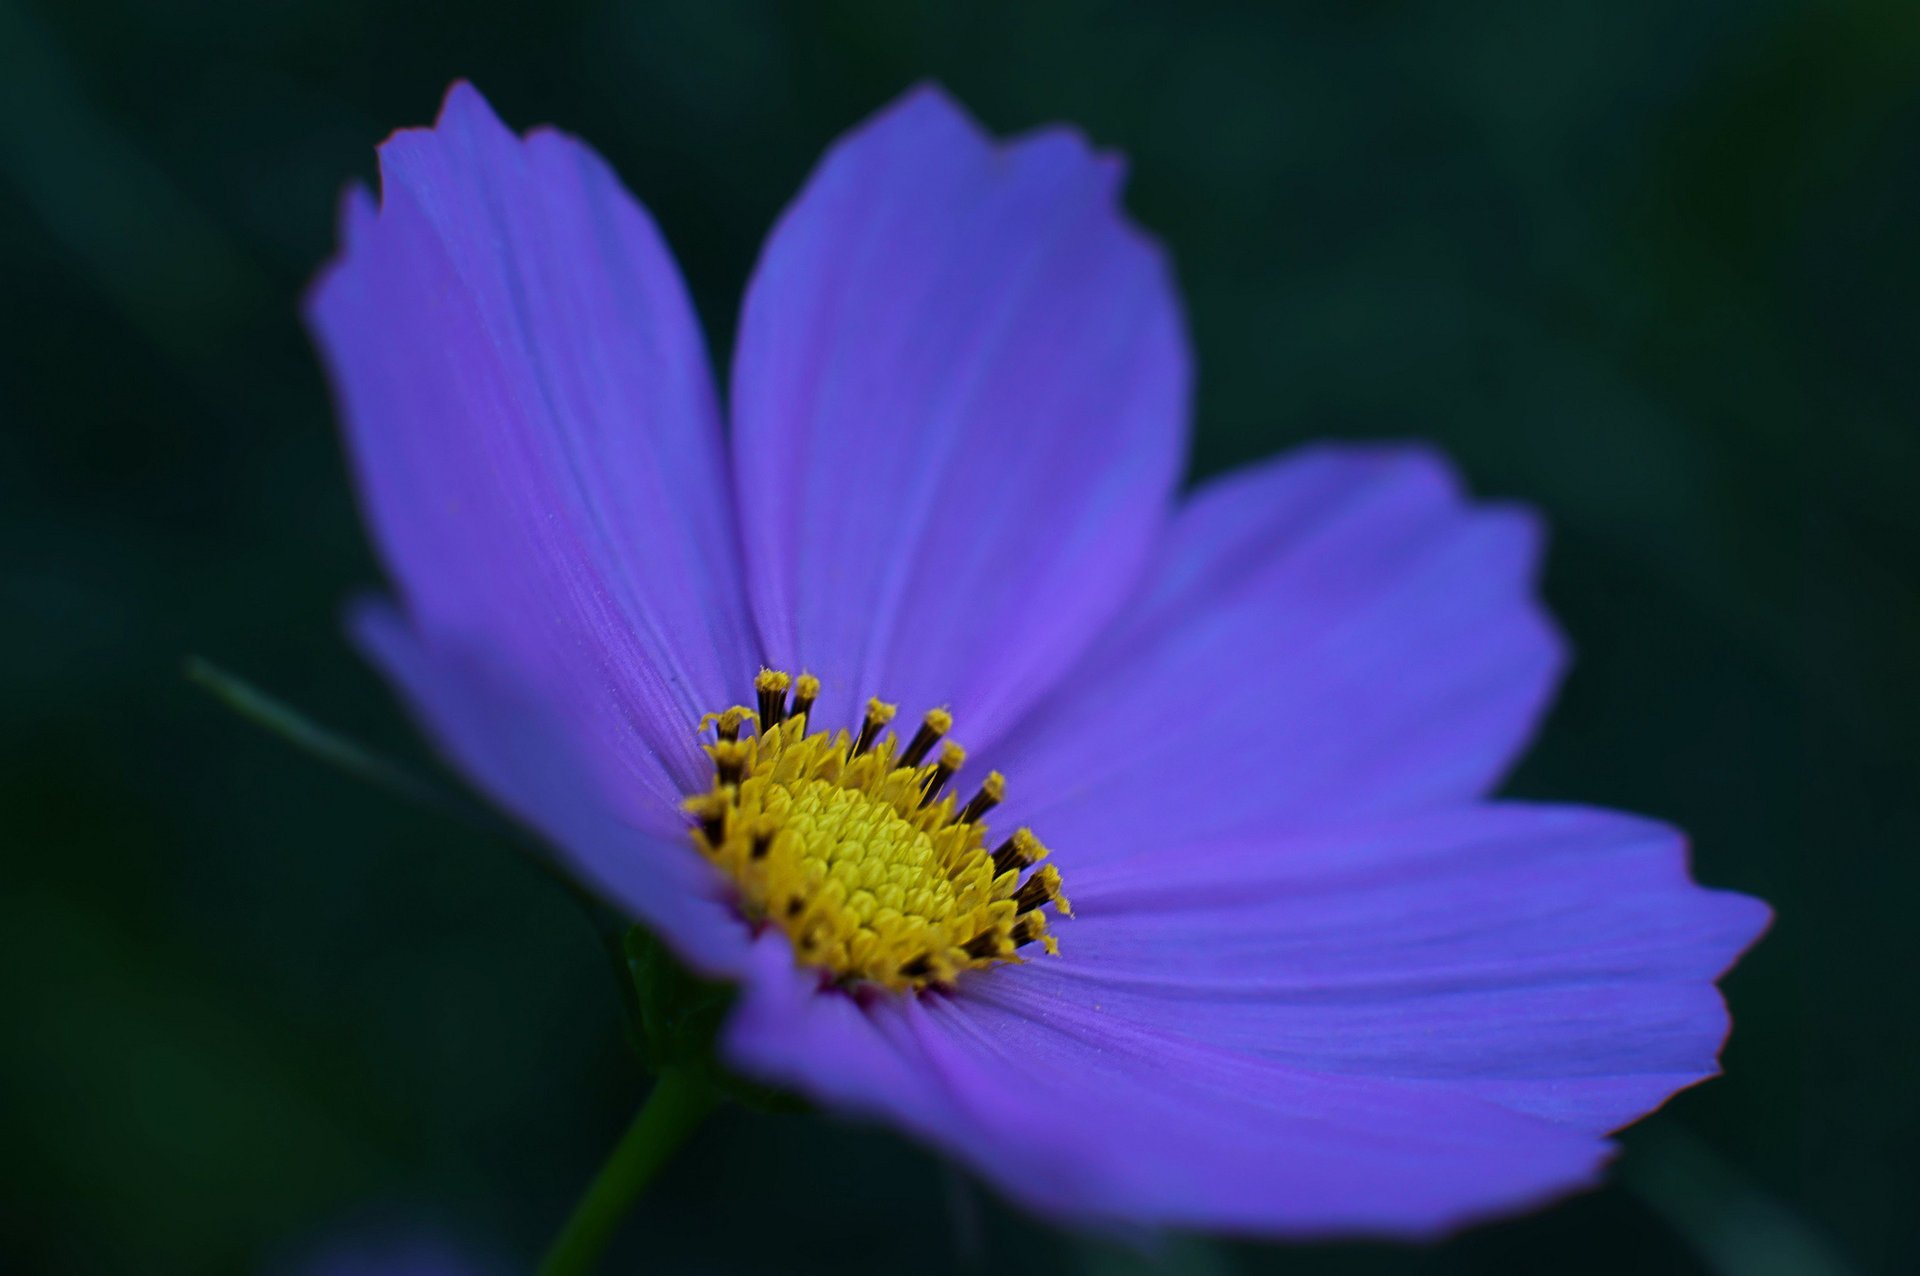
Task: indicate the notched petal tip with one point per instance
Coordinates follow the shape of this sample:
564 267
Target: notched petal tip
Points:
355 221
930 114
462 99
1746 919
466 135
462 107
1734 920
926 115
932 97
359 209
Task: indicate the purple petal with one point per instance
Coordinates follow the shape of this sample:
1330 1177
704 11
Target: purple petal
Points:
1558 961
615 838
533 423
1083 1114
960 403
1334 636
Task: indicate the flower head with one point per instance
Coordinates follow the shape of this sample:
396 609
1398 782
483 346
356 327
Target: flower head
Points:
1314 980
845 841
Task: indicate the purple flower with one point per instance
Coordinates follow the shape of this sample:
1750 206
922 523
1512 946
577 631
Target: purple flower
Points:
1315 981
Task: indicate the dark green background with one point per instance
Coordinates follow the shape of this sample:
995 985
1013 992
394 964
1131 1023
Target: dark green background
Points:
1651 266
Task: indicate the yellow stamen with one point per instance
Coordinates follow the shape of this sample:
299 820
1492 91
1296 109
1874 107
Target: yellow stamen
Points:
879 714
727 724
938 722
806 689
771 685
846 844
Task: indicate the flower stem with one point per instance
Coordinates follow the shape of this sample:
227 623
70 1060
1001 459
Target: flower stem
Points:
680 1100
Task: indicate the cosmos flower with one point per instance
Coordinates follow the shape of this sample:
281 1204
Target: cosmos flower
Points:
1315 980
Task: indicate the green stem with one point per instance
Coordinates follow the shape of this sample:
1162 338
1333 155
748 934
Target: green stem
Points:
680 1100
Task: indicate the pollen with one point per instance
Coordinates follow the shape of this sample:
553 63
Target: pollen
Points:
861 847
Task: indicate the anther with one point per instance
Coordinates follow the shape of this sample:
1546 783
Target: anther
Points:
952 758
726 726
986 944
919 967
730 760
806 689
730 722
1018 851
936 724
772 685
712 813
879 714
992 790
1040 888
1028 929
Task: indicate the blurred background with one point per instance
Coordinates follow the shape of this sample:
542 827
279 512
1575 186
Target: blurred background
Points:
1651 267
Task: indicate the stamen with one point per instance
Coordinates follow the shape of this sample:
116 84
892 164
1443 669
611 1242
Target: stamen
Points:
879 714
712 814
987 943
806 689
852 846
938 722
992 790
772 686
1031 927
1042 888
952 758
730 760
1018 851
731 722
726 726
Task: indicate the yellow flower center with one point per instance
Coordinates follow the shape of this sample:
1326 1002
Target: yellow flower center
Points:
850 844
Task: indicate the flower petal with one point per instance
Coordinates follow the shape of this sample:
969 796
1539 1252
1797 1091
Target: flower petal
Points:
959 406
1330 637
1556 960
618 841
1082 1114
533 423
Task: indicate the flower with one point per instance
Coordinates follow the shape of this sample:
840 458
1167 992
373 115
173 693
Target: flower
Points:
1315 981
